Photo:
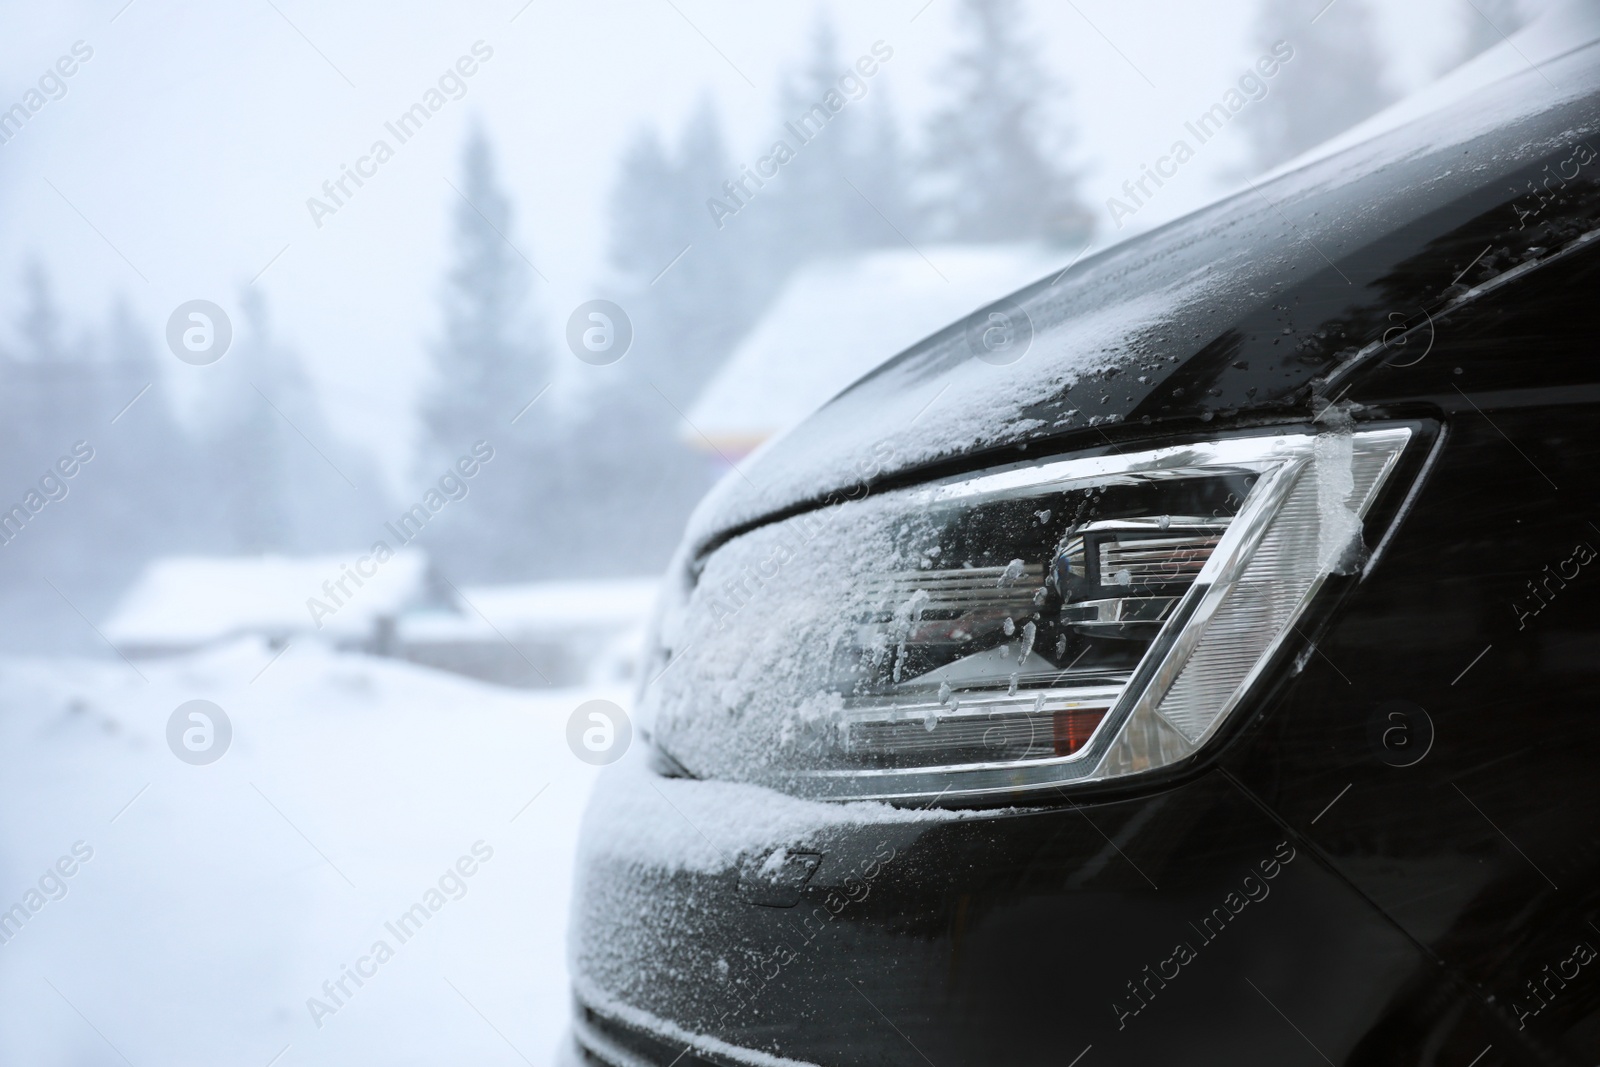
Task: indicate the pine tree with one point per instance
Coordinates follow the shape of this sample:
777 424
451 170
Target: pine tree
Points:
824 201
145 465
26 404
329 494
45 407
815 211
725 268
685 321
244 466
102 520
136 499
993 155
648 227
1333 81
487 365
13 411
692 287
881 169
53 393
828 200
40 327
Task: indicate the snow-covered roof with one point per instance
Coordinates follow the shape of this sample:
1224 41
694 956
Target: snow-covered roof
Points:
538 608
186 601
836 319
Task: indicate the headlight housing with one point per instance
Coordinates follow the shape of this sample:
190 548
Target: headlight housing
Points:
1075 620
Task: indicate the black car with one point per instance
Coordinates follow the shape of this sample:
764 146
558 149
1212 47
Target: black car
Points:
1194 658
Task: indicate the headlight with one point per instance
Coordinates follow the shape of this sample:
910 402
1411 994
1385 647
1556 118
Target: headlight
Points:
1075 620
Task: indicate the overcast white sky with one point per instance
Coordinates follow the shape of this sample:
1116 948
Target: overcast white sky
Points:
192 138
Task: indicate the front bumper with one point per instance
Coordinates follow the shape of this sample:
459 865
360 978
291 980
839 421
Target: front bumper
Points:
1188 926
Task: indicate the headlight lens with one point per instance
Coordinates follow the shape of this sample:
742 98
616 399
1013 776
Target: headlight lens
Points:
1075 620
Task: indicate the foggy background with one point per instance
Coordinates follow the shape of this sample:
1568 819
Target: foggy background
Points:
382 328
576 164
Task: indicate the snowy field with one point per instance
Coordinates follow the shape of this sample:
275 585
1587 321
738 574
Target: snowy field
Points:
217 900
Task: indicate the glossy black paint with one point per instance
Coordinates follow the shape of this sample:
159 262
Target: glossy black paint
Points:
1426 752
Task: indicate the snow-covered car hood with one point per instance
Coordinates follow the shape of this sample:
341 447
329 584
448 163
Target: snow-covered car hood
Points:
1239 311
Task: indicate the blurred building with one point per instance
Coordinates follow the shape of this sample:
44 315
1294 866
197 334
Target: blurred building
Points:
537 634
533 635
836 319
184 603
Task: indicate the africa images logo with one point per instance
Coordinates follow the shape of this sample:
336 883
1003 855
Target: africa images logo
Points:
199 732
599 332
199 332
598 732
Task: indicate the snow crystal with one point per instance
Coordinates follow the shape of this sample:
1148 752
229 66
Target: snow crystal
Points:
1029 632
1333 452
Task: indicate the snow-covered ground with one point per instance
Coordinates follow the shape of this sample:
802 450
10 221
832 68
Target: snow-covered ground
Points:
219 899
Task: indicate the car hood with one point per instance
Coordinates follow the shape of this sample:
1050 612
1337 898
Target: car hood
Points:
1263 304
